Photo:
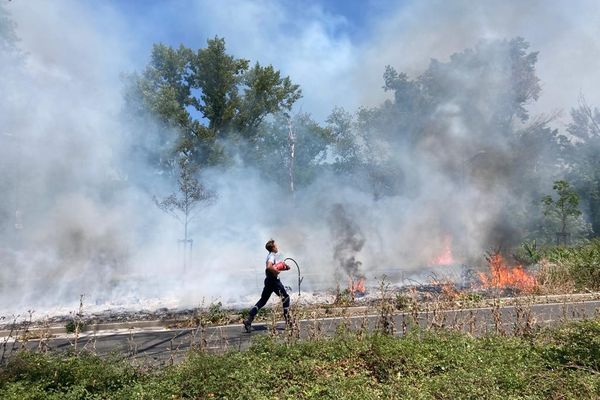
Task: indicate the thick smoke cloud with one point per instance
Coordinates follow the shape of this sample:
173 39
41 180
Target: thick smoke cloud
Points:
76 208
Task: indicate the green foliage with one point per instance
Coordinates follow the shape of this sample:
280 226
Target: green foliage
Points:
72 325
574 345
577 267
270 150
343 297
563 363
217 75
46 376
470 297
563 209
528 253
209 95
402 301
531 250
348 151
216 313
583 155
262 314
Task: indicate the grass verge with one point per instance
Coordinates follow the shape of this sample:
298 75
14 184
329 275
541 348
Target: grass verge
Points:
563 362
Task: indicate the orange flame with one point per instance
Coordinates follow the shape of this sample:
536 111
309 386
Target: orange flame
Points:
445 257
503 276
357 286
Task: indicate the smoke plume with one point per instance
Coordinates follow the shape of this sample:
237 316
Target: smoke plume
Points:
76 209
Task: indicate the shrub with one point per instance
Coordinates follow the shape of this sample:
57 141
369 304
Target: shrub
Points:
576 268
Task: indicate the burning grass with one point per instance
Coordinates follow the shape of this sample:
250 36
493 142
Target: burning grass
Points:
502 276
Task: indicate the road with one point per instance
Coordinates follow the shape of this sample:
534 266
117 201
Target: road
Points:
159 345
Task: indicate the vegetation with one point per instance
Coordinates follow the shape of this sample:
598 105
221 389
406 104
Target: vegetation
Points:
208 95
563 363
567 269
216 108
466 118
564 209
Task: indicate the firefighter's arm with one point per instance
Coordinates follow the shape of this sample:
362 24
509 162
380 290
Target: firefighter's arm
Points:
271 267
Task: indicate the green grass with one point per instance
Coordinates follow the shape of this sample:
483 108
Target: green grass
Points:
573 268
561 363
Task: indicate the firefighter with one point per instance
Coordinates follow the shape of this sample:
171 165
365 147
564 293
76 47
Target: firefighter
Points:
272 284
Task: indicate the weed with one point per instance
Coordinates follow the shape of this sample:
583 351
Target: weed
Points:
73 326
564 362
401 301
216 313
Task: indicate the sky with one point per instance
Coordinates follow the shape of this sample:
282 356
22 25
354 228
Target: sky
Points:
73 144
337 50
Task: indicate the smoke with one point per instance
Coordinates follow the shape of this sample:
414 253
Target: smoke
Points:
348 241
76 211
564 33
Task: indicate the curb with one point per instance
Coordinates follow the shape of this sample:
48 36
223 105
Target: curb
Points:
40 332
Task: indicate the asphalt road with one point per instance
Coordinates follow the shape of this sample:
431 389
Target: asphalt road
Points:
163 346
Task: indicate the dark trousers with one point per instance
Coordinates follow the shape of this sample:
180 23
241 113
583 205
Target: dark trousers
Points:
272 285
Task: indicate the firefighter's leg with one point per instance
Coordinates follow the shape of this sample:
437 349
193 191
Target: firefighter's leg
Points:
285 299
264 297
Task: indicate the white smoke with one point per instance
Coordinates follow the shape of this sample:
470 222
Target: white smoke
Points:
89 227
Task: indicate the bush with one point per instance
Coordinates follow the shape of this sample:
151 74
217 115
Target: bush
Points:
71 326
576 268
216 313
29 375
574 345
402 301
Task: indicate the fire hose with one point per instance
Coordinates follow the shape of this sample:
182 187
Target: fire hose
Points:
300 278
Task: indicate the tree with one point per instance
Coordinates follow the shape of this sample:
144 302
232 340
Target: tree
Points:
271 150
347 149
218 76
209 95
565 209
8 36
583 158
488 87
183 206
13 73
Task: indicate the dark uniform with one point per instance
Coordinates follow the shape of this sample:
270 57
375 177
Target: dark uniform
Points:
272 285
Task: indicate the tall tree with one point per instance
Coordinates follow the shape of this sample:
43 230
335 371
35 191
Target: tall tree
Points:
347 148
218 77
271 150
488 86
209 95
583 157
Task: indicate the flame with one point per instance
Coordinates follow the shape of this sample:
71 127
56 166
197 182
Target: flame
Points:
357 286
503 276
445 257
447 288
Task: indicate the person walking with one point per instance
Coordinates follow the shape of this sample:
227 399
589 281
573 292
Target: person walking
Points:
272 285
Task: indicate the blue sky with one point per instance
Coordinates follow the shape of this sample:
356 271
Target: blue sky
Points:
294 36
357 14
336 50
